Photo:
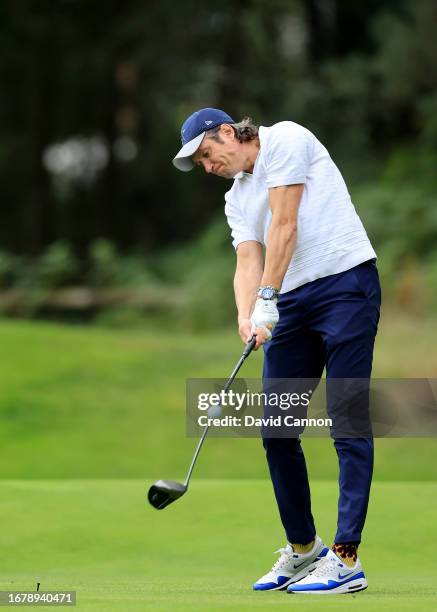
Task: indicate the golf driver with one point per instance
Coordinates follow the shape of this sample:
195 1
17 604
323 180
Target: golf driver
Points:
165 492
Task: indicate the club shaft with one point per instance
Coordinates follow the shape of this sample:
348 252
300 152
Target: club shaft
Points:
246 353
199 446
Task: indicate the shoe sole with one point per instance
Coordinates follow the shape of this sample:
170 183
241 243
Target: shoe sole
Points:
354 586
304 572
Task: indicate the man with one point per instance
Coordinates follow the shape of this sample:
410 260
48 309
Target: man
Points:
313 300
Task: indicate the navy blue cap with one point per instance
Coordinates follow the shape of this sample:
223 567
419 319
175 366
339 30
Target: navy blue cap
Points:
193 131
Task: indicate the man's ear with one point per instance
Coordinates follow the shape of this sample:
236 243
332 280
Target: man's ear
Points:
227 130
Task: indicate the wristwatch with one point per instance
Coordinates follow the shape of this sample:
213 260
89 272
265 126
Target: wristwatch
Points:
268 293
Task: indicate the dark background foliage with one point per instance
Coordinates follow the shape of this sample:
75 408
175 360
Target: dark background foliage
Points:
93 95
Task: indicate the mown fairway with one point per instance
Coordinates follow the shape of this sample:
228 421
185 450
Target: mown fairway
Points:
90 417
99 538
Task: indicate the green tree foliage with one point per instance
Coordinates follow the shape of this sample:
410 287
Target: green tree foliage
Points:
109 85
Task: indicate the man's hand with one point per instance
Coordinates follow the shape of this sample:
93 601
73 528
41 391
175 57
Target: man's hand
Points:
246 333
245 330
264 318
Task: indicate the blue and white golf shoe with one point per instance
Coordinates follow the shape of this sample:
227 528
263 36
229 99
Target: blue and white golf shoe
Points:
330 577
291 567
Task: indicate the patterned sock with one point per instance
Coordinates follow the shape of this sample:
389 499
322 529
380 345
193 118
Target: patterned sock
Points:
303 548
347 552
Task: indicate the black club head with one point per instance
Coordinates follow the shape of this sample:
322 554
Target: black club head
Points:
165 492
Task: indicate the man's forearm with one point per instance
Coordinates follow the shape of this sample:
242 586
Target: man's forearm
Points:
280 245
246 284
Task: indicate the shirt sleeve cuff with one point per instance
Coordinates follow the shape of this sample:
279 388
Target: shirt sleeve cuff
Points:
283 181
241 239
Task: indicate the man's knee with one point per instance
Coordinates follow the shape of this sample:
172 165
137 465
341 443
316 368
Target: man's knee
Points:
358 451
281 445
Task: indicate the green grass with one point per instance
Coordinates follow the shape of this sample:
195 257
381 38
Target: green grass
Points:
83 402
98 537
88 414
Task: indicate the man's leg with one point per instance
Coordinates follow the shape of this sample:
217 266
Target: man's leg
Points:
293 352
345 311
348 328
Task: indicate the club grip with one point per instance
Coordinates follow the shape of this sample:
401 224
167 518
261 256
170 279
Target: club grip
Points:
249 347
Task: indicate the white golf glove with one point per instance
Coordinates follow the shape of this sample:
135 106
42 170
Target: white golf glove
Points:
265 313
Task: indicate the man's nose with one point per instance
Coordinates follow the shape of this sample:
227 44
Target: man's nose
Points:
208 166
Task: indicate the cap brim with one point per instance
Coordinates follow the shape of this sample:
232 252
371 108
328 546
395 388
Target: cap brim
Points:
183 160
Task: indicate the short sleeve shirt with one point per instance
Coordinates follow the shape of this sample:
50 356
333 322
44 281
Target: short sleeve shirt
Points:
330 235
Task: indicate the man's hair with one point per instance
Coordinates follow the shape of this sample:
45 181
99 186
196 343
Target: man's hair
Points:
245 130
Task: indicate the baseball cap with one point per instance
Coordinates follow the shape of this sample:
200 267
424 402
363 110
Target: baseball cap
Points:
193 131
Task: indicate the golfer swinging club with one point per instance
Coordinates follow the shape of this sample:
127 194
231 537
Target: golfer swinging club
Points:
313 301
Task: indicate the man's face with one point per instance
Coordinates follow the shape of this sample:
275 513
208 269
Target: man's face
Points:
224 158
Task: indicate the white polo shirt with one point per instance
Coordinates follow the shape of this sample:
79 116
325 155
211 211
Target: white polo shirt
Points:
330 235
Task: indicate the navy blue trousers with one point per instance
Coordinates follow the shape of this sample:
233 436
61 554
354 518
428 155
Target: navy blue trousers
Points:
330 322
